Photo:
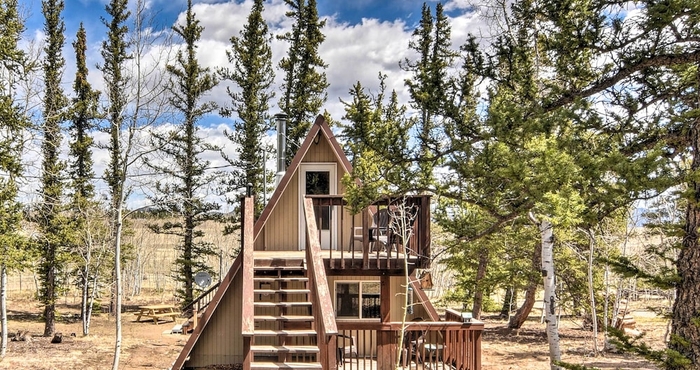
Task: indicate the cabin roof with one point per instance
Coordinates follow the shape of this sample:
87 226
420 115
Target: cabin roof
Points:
319 128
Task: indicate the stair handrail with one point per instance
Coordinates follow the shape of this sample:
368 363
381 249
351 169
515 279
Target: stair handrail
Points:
204 297
247 294
327 330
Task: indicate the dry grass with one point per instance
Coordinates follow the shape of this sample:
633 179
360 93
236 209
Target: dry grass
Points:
152 258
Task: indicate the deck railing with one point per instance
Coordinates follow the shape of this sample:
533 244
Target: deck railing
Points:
201 302
324 320
382 245
426 345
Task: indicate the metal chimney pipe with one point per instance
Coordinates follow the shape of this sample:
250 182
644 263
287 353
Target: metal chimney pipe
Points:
281 120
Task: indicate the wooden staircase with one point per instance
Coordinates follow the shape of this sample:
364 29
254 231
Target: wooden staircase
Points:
284 334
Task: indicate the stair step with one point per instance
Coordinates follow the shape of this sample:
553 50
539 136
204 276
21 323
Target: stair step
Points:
284 318
284 365
282 304
284 349
287 291
290 333
265 279
270 265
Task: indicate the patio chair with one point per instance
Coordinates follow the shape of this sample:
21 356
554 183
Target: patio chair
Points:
413 344
382 232
346 348
379 231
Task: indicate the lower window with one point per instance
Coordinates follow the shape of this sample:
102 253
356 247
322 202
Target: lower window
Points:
357 299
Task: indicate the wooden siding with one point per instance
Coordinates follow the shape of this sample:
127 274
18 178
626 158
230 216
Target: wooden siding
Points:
222 343
281 230
321 152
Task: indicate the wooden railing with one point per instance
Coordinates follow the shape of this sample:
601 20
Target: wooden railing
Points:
426 345
324 320
405 235
201 302
247 296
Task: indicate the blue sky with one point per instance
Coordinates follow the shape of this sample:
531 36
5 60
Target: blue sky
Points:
363 38
90 11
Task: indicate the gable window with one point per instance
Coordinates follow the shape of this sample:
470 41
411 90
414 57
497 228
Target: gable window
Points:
357 299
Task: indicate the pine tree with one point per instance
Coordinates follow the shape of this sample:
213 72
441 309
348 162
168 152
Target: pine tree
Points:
252 73
115 55
51 220
429 86
83 113
376 140
182 148
304 90
13 63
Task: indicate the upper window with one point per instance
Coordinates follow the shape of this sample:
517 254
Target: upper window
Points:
357 299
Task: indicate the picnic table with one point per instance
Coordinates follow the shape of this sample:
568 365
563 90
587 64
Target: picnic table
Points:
157 311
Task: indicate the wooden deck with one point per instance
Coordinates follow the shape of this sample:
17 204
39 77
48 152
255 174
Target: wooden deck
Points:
343 262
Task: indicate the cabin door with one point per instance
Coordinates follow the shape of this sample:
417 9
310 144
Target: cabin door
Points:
318 178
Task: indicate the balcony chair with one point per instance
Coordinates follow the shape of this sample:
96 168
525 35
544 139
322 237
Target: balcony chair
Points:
379 231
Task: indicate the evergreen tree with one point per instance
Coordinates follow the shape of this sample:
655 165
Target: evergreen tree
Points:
429 86
115 55
13 63
83 205
304 89
685 329
252 73
376 140
51 220
187 172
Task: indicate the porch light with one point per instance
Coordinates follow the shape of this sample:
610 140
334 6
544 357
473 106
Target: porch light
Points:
466 317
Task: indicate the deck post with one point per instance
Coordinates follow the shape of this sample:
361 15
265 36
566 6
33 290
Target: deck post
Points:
247 353
424 233
386 349
365 239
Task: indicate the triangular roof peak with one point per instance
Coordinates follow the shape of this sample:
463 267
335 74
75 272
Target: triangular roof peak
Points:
321 130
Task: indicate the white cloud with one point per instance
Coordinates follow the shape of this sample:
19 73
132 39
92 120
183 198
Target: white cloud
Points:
353 52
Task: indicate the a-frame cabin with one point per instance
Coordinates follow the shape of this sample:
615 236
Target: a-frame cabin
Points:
316 287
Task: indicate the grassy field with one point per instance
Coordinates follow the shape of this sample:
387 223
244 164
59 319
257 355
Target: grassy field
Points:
151 263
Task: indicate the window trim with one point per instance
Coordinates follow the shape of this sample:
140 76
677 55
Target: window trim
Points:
360 284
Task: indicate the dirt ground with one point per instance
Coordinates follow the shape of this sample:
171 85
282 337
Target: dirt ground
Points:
149 346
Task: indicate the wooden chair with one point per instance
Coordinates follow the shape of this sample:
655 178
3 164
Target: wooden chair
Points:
379 231
346 348
413 345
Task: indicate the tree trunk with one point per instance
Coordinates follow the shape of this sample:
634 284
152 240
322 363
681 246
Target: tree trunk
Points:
117 286
50 295
550 294
91 301
591 291
479 293
3 310
508 302
687 305
84 301
85 291
520 316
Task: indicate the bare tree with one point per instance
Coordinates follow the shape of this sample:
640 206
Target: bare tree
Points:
401 228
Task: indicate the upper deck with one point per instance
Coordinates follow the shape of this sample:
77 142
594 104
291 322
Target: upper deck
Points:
390 235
